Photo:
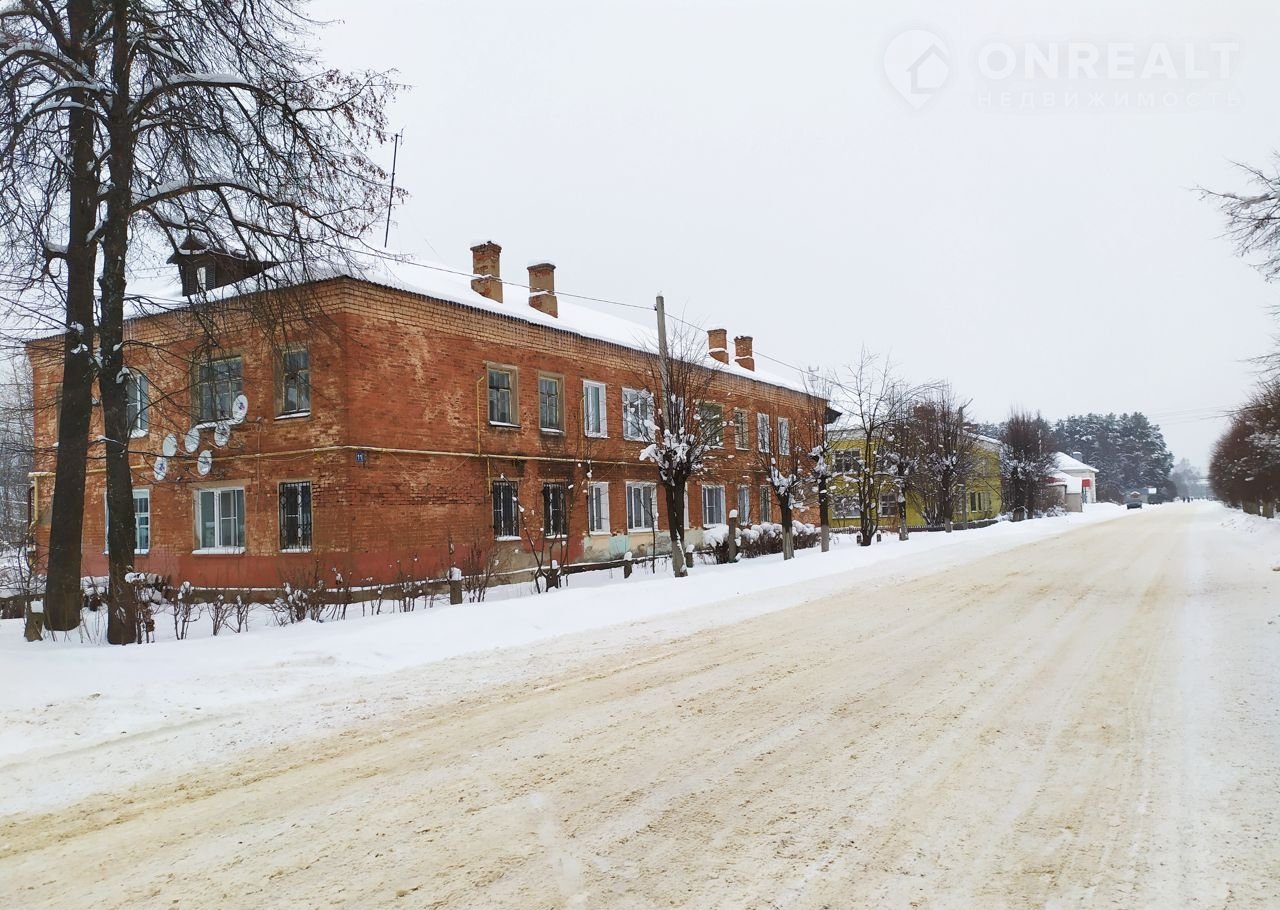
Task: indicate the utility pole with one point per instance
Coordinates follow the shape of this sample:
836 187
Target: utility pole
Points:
395 155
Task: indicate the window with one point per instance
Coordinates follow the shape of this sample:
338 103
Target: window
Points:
711 416
979 502
136 402
784 436
766 505
642 506
845 507
141 521
506 510
744 505
502 396
550 409
594 419
204 277
598 508
889 504
762 433
295 382
740 429
295 516
218 383
554 521
845 461
220 519
712 506
637 414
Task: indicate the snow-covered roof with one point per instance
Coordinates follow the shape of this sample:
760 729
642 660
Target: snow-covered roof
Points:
429 279
1067 463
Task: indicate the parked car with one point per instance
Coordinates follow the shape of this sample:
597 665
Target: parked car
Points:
1134 504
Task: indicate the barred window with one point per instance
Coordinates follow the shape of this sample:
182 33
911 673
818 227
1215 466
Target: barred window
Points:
555 522
295 516
506 509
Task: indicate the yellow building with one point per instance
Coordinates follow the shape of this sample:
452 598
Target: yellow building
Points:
977 500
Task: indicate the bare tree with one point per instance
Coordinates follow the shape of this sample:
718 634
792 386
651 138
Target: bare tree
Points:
1026 462
685 430
948 454
817 442
49 193
877 403
786 470
214 127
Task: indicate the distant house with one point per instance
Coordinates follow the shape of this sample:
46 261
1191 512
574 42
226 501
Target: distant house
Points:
1083 477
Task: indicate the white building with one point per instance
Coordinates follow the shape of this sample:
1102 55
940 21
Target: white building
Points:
1085 476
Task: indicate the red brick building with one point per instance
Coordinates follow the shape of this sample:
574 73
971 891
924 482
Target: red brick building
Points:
449 410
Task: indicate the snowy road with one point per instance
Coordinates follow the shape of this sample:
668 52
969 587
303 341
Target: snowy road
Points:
1089 720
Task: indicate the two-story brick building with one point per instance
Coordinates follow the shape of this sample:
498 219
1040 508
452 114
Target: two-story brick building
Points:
414 414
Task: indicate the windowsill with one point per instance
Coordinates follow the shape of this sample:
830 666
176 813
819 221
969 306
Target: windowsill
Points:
641 530
219 551
552 431
139 434
634 439
135 552
555 536
596 435
600 533
504 426
294 415
295 549
508 539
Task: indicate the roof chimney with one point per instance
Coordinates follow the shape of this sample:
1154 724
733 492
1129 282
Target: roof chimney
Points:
718 345
485 263
742 352
542 288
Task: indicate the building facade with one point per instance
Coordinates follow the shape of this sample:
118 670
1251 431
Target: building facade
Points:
410 425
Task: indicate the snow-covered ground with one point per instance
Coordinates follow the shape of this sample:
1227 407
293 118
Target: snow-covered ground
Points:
177 704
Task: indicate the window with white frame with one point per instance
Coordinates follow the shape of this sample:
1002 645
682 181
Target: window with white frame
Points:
766 505
598 508
744 504
763 442
502 396
137 404
740 438
141 521
295 381
220 518
711 416
506 510
555 520
295 515
642 506
218 384
844 461
594 419
637 414
784 436
550 403
889 504
713 512
845 507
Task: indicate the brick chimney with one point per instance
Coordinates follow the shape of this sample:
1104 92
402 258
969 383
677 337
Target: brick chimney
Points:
718 345
542 288
742 352
485 262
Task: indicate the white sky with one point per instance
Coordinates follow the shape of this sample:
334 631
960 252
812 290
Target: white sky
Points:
754 162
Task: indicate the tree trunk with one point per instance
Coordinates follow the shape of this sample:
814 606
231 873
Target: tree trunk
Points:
122 615
62 585
788 532
824 513
675 519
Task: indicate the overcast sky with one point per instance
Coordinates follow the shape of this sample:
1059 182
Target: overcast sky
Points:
1015 215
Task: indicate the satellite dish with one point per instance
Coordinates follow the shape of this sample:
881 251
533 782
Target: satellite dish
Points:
170 446
191 441
161 468
239 409
221 433
204 464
